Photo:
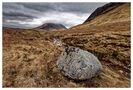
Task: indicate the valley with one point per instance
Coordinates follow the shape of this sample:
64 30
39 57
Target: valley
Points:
30 56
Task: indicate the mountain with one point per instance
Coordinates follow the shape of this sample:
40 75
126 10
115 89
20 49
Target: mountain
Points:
51 26
120 13
102 10
30 56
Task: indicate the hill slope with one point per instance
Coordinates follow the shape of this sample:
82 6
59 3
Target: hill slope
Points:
29 56
102 10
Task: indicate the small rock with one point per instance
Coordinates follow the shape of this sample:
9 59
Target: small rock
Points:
55 70
78 64
120 71
71 84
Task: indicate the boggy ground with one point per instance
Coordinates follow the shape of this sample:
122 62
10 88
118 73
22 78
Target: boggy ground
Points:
29 56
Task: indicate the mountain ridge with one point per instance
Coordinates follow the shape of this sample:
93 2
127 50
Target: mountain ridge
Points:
51 26
103 9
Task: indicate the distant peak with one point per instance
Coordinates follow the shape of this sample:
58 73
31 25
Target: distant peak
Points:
51 26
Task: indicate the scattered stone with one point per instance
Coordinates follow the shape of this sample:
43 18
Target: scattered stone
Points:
71 84
78 64
57 42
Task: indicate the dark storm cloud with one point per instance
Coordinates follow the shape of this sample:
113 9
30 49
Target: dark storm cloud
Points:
14 10
62 7
17 15
33 14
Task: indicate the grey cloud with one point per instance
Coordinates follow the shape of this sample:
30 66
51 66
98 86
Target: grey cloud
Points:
16 25
41 7
63 7
14 9
29 12
17 15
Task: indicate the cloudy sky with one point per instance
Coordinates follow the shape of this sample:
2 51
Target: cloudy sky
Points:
30 15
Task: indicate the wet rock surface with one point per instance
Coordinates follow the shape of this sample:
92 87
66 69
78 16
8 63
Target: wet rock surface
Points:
78 64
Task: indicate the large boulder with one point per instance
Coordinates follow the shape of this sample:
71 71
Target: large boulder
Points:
78 64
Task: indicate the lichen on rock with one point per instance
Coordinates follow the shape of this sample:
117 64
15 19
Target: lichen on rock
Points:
78 64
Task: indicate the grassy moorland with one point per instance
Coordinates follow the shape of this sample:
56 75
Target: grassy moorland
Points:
29 56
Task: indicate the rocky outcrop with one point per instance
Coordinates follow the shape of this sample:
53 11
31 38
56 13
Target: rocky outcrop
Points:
51 26
78 64
102 10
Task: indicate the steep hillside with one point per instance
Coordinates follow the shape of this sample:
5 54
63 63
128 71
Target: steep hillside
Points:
119 14
29 56
102 10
